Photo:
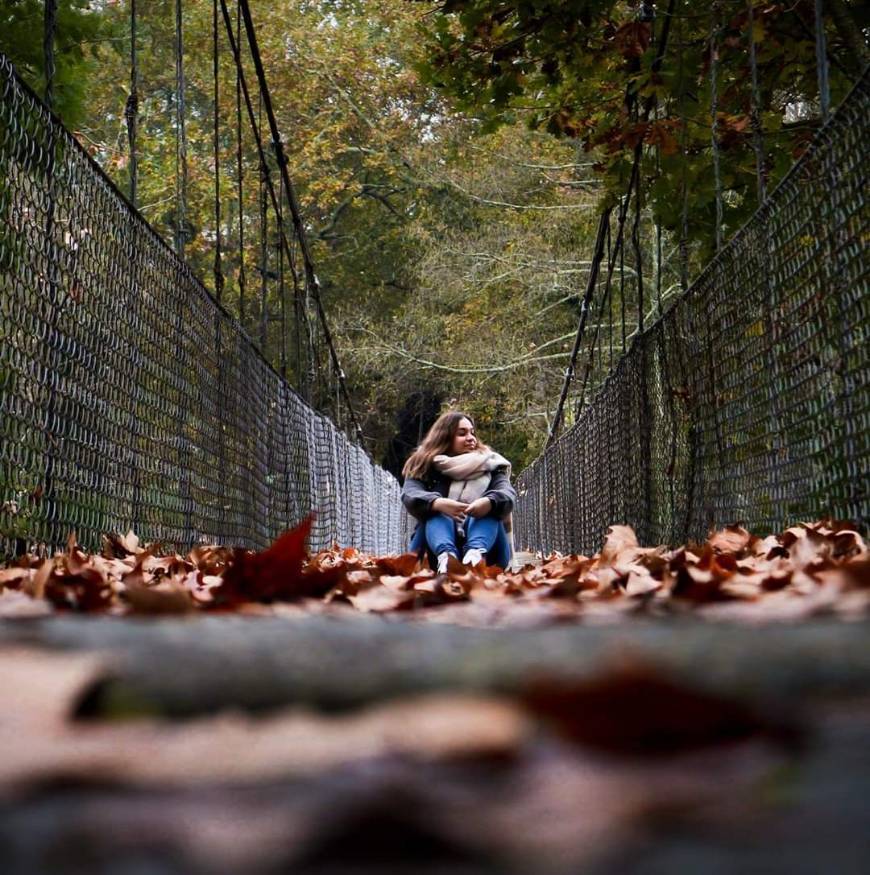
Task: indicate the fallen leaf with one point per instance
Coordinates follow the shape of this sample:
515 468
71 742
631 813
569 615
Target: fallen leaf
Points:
404 565
274 574
117 546
379 599
166 597
619 539
731 539
635 710
640 582
13 577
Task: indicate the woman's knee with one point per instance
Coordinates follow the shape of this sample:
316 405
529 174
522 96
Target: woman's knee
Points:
484 530
439 524
440 532
439 519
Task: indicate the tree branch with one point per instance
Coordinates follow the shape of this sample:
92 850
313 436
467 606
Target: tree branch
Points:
399 352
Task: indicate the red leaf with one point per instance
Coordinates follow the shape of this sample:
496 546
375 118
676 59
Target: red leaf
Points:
273 575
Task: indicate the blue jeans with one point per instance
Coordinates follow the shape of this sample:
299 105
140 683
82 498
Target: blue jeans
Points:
438 535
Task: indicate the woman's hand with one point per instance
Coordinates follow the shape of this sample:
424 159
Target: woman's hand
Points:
479 508
454 509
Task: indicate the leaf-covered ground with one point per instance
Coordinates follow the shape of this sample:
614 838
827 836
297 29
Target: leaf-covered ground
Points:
263 713
810 569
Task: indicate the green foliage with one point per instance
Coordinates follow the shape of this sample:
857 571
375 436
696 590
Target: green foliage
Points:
501 256
79 30
592 70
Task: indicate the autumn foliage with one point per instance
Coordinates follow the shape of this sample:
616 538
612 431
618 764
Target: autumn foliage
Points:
809 569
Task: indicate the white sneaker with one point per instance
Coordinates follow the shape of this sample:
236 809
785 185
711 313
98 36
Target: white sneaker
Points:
443 559
472 558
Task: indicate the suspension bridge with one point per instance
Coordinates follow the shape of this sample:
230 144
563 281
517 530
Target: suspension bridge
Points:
132 399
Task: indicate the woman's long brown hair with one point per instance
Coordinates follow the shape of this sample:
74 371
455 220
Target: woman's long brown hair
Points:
438 440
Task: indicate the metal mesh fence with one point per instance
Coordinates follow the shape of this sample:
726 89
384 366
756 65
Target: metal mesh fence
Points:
748 400
128 397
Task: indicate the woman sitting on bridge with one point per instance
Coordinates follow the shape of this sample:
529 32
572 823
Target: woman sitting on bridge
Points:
460 492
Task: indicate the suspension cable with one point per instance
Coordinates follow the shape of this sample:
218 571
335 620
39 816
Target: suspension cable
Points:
131 109
264 219
218 263
622 299
282 291
658 241
619 248
610 302
822 63
657 244
683 245
591 282
755 112
638 254
49 23
715 26
180 137
311 277
300 317
242 91
633 181
239 170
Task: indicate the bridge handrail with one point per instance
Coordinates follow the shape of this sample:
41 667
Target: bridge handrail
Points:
129 397
749 399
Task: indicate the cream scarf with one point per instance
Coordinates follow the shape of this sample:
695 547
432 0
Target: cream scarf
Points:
471 474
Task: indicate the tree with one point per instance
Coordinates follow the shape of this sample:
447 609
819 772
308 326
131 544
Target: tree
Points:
451 259
501 243
613 75
78 34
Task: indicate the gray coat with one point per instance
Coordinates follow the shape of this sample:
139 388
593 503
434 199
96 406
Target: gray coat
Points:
418 495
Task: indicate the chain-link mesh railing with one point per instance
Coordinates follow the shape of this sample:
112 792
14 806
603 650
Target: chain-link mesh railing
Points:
749 400
128 397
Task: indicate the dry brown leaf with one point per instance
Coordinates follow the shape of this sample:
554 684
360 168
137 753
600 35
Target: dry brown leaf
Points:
622 580
118 546
731 539
379 599
166 597
77 583
619 539
769 547
272 575
848 544
853 574
397 582
403 566
14 577
640 582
